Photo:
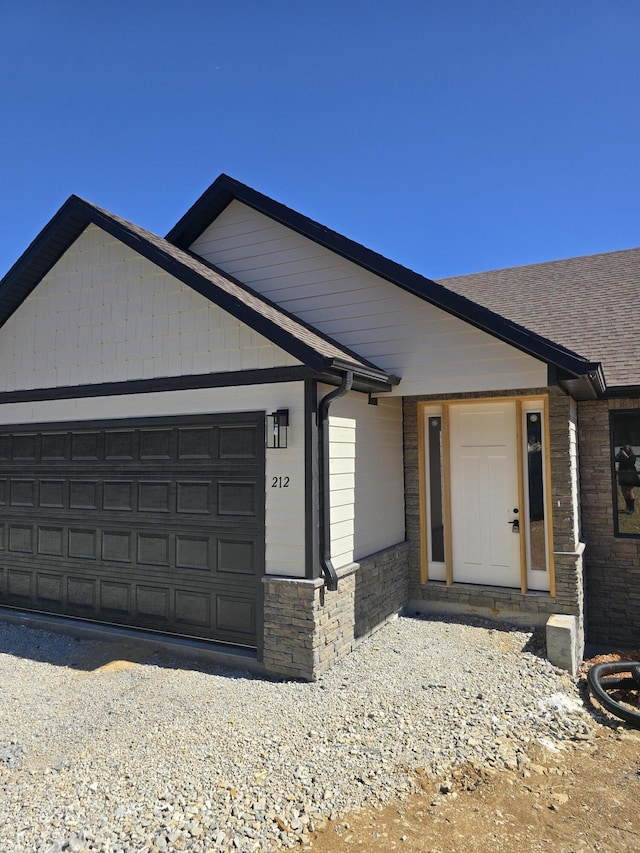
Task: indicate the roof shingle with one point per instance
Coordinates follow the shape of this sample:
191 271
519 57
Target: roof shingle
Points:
589 304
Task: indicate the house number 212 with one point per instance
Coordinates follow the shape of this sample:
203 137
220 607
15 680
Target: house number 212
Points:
279 482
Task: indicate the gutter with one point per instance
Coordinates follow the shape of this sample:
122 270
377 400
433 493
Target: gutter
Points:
328 569
589 385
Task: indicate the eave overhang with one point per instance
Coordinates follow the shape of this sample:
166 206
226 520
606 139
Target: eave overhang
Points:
582 387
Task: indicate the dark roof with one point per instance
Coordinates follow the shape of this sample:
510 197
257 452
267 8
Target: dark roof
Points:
313 349
569 363
589 304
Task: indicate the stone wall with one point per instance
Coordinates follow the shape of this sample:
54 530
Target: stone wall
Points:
612 564
307 628
496 602
382 588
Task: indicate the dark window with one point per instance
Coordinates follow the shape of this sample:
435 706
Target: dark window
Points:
625 461
535 492
436 520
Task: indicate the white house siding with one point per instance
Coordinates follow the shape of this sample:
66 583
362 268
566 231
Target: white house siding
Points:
285 507
574 468
432 351
365 476
104 313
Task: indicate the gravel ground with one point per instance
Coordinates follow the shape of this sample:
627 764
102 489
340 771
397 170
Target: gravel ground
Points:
164 755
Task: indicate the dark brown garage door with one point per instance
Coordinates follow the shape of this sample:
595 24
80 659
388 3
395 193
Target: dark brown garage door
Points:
156 524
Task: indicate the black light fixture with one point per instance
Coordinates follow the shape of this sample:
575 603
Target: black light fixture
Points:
277 424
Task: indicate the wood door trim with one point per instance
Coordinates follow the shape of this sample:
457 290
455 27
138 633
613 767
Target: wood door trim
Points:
422 497
446 458
524 525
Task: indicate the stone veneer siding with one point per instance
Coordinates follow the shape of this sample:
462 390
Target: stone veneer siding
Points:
307 628
532 608
612 564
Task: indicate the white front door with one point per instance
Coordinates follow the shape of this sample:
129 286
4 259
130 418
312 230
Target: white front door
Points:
484 494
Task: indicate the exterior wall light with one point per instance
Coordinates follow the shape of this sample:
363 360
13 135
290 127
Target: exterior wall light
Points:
277 426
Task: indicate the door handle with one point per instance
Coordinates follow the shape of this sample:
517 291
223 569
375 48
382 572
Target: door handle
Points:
515 525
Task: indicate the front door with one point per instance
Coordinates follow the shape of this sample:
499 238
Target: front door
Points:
484 494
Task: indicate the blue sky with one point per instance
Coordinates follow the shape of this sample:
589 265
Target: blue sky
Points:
450 136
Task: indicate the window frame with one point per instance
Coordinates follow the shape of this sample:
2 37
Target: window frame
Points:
613 414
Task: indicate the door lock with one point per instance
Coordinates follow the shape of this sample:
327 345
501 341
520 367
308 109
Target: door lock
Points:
515 524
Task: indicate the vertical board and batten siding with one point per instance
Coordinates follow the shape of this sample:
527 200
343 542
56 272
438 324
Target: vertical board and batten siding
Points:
285 507
103 313
365 477
574 470
430 350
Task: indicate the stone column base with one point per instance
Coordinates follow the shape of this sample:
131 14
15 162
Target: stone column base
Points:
307 628
562 642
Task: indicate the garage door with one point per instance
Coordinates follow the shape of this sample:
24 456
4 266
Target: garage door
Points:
154 524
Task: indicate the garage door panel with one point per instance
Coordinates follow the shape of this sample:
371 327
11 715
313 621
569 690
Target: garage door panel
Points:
157 527
118 495
188 550
237 442
218 496
193 609
19 583
121 446
178 444
20 539
87 446
55 447
236 556
153 549
115 598
157 444
22 493
193 552
24 448
235 498
81 593
153 601
194 497
117 546
154 496
82 543
52 494
49 587
85 494
194 443
51 541
235 614
118 506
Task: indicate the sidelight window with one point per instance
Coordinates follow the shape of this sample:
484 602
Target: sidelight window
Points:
435 498
534 489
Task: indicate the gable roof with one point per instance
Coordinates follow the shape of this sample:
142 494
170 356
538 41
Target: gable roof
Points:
589 304
317 351
580 374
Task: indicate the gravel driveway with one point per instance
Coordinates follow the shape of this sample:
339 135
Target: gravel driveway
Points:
164 755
